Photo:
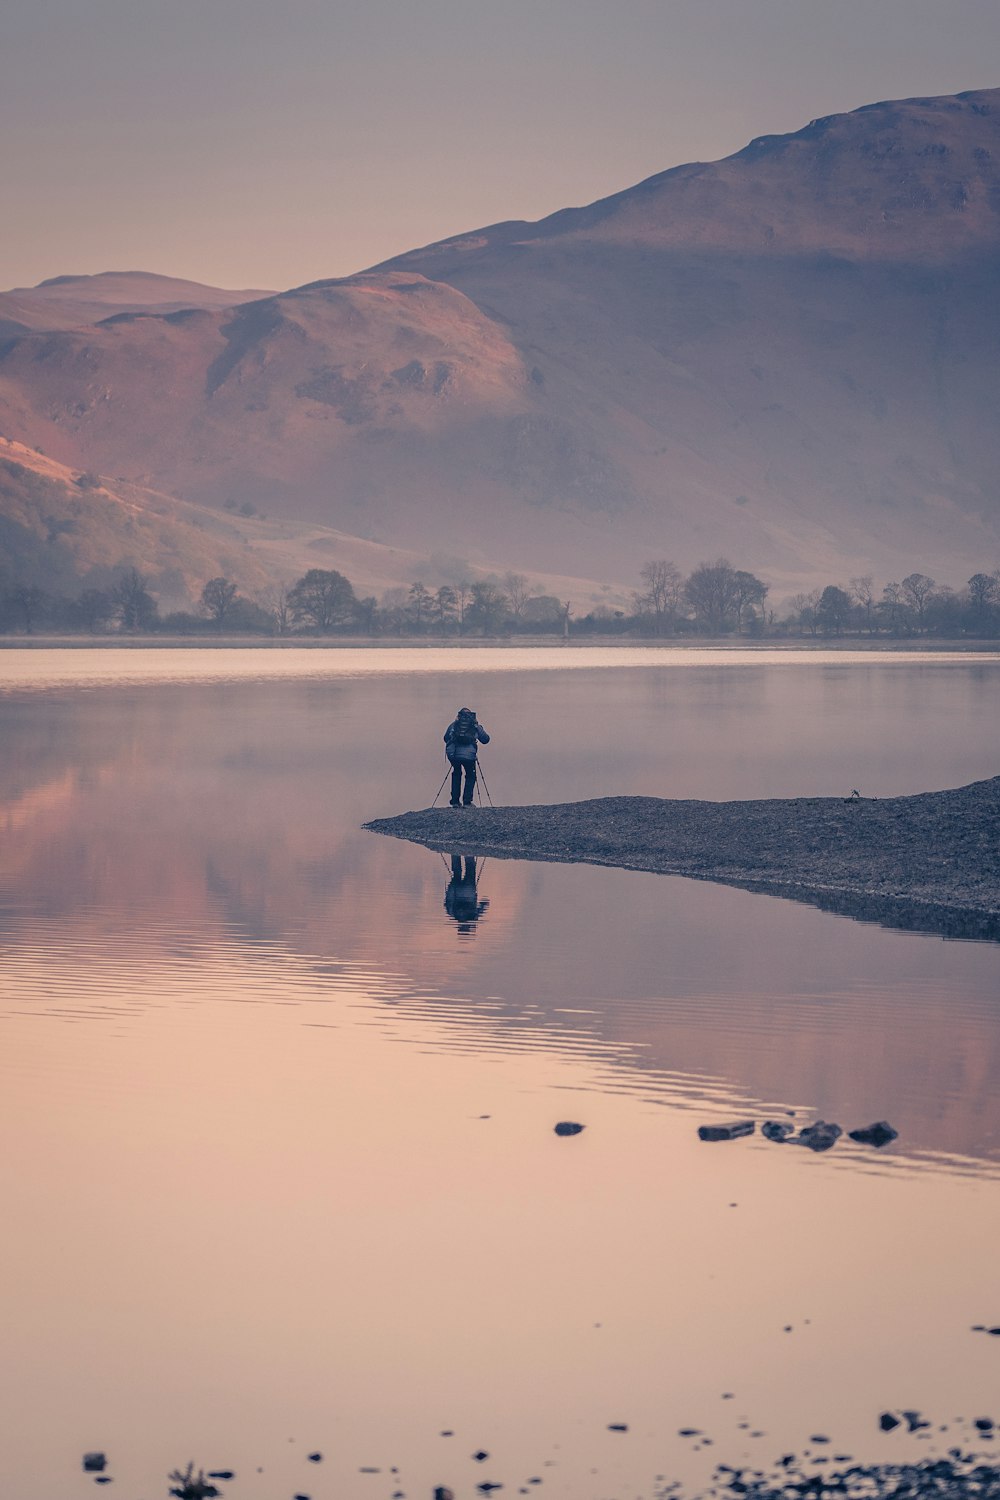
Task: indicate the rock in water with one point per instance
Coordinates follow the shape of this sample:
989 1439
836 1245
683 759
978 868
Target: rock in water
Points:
728 1132
442 1492
818 1137
94 1463
879 1134
776 1130
568 1127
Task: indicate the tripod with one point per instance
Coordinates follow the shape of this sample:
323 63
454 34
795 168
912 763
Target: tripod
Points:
480 781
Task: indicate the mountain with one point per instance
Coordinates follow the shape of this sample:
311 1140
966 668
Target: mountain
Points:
788 356
60 528
72 301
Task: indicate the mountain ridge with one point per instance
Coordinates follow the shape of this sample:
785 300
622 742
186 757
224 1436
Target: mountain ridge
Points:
69 301
787 356
943 112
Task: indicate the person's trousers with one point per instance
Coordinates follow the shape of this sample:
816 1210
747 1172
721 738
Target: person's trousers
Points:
456 780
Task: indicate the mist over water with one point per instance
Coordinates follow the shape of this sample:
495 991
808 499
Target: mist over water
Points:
278 1094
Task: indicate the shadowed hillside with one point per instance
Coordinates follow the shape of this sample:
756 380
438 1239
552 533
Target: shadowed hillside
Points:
787 356
60 528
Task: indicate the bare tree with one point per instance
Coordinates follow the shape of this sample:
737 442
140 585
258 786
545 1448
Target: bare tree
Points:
917 590
393 611
543 609
366 612
275 601
322 598
712 593
134 604
217 599
662 595
802 609
488 608
984 591
833 610
419 605
518 593
748 590
463 598
893 606
445 606
863 589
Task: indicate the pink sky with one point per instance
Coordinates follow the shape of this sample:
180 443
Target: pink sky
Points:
247 144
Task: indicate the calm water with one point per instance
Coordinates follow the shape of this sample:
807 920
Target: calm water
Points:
277 1104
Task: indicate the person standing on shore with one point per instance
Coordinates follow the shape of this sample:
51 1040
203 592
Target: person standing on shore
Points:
462 740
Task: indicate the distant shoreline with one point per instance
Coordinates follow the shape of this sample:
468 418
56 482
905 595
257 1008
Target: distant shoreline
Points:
478 643
928 863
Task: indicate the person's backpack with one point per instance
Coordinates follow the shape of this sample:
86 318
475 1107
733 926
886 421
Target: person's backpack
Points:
465 728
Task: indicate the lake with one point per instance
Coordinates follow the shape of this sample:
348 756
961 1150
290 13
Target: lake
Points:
278 1094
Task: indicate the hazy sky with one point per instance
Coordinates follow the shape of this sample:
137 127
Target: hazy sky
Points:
255 144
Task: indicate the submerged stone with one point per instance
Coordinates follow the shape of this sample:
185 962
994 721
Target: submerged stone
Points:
818 1137
568 1127
731 1131
879 1134
776 1130
94 1463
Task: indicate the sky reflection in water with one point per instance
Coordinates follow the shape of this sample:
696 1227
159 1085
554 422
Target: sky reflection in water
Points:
281 1109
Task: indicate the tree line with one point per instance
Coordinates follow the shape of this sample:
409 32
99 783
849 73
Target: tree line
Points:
715 599
718 599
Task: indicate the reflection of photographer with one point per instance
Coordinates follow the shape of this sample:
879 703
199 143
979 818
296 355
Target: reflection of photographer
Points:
461 899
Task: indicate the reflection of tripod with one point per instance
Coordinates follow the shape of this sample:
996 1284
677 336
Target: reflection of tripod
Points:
461 899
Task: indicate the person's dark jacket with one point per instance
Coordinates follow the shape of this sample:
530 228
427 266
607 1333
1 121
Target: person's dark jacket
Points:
466 751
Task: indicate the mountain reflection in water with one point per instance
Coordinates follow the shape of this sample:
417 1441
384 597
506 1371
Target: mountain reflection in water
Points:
235 809
278 1094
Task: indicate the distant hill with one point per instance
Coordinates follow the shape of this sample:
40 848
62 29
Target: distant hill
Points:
60 528
73 301
788 356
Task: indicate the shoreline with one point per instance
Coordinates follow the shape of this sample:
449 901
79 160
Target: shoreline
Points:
924 863
845 644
